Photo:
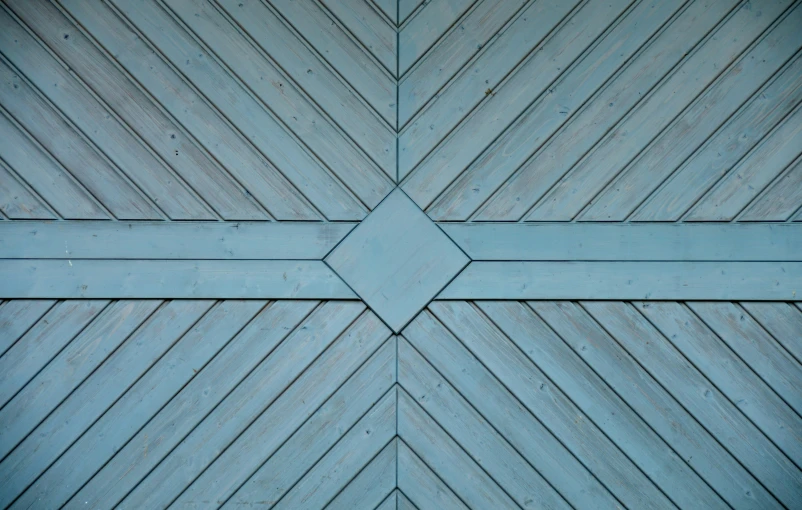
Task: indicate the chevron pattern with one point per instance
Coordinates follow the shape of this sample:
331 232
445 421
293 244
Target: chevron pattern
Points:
304 404
240 302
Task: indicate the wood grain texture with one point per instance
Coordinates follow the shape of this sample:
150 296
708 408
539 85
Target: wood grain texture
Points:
770 281
143 241
145 279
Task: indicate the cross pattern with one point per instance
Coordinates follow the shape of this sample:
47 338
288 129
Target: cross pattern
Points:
400 254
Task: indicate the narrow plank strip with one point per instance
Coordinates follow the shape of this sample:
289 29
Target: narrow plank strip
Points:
650 63
405 8
85 405
285 100
343 54
710 114
231 417
625 242
655 405
273 140
17 317
652 115
288 463
421 485
527 434
258 175
389 502
196 240
475 435
418 36
131 462
368 27
728 146
69 369
389 8
782 321
372 484
17 202
144 279
452 465
701 398
405 504
42 342
763 354
79 104
297 404
358 119
769 281
71 149
731 375
781 200
44 175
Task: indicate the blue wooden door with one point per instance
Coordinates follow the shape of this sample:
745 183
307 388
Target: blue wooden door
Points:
400 254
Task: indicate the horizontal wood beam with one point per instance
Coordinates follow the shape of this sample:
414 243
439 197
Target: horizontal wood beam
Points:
169 240
164 279
628 241
728 281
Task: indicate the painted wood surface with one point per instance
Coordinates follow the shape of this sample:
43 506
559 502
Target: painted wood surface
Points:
145 279
160 241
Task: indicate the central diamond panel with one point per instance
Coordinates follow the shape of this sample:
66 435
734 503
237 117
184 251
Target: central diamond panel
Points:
397 260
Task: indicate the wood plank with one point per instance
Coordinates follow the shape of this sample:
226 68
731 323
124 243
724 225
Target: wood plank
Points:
201 120
404 503
577 408
368 27
227 421
718 111
18 201
300 166
69 368
359 444
764 355
85 405
418 36
370 487
754 172
142 401
389 502
655 112
626 242
700 398
541 115
368 78
424 489
649 64
389 8
406 8
497 112
444 456
17 317
162 240
80 105
287 464
302 401
145 279
526 434
130 462
728 146
521 481
445 60
43 174
730 373
655 405
78 155
42 342
720 281
293 108
781 200
332 93
782 321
